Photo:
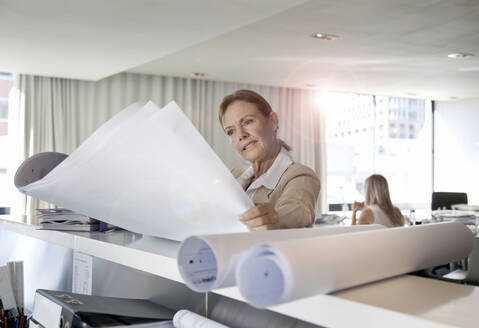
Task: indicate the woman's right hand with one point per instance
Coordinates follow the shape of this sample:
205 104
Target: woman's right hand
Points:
357 206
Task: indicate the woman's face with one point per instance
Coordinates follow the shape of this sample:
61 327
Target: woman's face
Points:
250 132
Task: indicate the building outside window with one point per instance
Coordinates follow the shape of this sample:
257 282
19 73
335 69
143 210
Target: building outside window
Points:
396 144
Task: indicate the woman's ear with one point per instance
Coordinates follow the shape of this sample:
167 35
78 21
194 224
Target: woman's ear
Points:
273 118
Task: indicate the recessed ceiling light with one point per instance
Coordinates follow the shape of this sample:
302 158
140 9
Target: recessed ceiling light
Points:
325 36
197 74
460 55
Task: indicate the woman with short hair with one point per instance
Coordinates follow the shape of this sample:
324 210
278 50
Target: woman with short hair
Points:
284 192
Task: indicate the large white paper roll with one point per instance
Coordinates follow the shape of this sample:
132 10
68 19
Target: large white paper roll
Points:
277 272
208 262
150 171
188 319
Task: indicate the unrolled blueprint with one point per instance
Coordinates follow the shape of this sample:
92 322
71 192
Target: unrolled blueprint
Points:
148 170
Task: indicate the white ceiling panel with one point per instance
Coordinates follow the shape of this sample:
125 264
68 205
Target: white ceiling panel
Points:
386 47
395 47
91 39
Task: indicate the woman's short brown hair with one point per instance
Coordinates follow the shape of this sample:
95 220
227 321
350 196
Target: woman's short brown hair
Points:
248 96
251 97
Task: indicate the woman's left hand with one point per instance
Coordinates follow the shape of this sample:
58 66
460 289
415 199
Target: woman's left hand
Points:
261 217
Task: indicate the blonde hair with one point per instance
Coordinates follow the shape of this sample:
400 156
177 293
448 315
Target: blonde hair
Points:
377 193
251 97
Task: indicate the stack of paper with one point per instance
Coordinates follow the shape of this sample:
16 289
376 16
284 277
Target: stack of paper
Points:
66 220
148 170
464 217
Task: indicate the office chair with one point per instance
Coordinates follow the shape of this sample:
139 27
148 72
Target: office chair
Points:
446 199
446 272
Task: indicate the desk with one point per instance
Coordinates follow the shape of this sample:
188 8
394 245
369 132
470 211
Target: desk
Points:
130 265
429 299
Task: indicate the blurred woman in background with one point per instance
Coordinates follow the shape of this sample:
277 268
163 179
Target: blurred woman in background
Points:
377 207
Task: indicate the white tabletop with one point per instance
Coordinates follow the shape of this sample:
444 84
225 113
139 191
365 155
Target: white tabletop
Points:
404 301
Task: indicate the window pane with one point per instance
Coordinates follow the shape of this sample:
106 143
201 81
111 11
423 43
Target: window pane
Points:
457 148
393 139
406 160
348 156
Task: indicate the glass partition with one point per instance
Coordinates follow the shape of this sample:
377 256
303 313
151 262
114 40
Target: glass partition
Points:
378 134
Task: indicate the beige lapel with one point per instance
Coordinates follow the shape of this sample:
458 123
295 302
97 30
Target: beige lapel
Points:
262 195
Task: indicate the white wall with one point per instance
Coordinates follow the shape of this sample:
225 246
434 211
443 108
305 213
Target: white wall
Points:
457 148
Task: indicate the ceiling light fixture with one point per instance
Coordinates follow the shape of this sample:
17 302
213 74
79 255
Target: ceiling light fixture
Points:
197 74
460 55
325 36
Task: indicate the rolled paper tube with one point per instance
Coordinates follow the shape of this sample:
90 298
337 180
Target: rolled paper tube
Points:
207 262
188 319
275 272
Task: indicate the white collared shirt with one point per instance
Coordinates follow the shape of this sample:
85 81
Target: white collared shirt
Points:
269 179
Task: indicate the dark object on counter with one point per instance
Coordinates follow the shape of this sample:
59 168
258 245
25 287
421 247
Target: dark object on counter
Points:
86 311
36 167
446 199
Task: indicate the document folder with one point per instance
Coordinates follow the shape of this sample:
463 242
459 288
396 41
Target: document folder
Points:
53 309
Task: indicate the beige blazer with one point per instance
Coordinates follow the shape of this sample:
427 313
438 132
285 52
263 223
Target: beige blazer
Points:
294 197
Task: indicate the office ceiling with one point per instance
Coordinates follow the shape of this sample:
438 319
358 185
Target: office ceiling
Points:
385 47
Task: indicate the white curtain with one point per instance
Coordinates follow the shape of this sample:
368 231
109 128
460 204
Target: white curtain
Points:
58 114
17 151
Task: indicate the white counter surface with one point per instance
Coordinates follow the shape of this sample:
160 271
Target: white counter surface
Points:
404 301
